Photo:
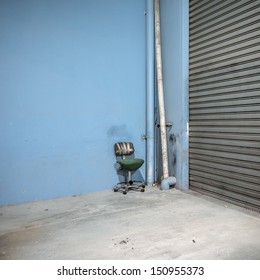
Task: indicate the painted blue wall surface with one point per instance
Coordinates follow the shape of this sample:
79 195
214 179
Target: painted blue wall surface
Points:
175 58
72 84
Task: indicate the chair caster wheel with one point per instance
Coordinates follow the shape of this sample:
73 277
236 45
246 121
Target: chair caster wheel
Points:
131 183
115 190
143 186
142 190
124 192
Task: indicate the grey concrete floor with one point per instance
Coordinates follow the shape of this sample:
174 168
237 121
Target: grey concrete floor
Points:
151 225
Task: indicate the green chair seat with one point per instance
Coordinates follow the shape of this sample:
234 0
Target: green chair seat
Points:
131 164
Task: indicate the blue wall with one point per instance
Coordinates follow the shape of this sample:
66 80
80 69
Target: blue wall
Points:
72 84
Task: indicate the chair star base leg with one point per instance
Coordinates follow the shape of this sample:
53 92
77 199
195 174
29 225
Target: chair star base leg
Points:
125 187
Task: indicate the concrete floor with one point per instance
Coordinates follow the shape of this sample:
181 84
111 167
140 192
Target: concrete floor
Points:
151 225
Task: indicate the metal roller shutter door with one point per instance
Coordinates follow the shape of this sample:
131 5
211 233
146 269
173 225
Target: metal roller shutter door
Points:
225 100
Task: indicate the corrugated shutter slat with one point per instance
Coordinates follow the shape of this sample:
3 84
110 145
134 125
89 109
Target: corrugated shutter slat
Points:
224 92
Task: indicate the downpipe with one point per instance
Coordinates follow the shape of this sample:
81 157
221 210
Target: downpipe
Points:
150 157
167 180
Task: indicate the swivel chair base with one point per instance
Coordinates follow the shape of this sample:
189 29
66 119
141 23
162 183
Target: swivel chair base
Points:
124 187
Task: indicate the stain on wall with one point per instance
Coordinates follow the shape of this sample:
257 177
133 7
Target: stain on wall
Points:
119 132
172 153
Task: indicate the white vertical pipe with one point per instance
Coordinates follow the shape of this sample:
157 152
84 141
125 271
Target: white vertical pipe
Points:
160 88
167 181
150 162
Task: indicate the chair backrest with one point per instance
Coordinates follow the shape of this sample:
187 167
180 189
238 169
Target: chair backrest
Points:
124 148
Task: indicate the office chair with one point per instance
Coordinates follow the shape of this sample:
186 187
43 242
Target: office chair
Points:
123 149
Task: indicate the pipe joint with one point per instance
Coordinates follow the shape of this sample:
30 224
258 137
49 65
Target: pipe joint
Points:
167 182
